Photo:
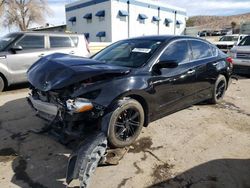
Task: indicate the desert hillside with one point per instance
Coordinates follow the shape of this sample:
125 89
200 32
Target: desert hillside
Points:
218 22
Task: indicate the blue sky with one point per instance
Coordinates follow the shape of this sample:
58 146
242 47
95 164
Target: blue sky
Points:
193 7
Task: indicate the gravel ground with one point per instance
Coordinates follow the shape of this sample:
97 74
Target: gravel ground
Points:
203 146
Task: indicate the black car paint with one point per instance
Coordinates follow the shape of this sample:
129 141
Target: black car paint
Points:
160 91
57 71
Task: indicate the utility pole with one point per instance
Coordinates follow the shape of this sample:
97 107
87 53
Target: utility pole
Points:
175 12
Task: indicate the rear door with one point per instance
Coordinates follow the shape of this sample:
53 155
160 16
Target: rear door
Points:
207 63
33 48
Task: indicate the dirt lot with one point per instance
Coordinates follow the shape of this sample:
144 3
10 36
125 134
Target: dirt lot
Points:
203 146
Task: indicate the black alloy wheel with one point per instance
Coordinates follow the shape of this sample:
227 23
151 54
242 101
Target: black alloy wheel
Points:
219 90
125 123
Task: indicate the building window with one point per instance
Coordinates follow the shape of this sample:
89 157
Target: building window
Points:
72 20
101 15
142 18
101 35
122 15
167 22
156 19
178 23
88 17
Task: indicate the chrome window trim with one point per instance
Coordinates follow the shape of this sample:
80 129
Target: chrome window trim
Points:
184 39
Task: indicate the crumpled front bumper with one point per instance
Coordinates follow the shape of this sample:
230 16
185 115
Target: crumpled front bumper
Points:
47 111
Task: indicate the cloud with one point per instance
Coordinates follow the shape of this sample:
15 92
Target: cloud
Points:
212 7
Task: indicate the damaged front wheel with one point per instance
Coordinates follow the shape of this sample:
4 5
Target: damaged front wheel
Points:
83 161
125 123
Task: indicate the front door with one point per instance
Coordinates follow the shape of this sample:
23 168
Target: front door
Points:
33 48
174 86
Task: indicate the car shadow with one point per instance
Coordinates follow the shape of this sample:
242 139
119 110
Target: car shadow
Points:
37 160
17 86
230 173
239 76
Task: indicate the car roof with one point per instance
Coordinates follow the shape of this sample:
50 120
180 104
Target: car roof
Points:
46 32
165 38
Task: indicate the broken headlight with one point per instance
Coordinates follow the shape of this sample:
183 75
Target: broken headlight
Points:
79 105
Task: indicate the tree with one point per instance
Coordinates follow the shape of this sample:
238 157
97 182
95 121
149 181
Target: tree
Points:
190 23
233 25
23 13
1 6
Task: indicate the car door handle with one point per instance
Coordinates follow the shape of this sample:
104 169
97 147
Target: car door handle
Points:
191 71
72 52
215 64
41 55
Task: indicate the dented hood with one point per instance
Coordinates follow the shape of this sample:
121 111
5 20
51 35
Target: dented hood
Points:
60 70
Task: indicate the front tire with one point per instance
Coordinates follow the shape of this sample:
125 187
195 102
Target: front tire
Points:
125 123
219 90
91 154
2 85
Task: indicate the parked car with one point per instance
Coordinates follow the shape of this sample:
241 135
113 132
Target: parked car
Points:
125 87
216 33
241 56
18 51
228 41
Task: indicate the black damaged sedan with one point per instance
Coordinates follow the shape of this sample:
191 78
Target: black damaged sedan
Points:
126 86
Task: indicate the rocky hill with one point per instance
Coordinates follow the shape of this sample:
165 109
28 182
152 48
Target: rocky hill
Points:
218 22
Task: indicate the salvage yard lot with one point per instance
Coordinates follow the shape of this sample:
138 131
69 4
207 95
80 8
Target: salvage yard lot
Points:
202 146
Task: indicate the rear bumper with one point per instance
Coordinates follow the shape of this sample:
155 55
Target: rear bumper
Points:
241 69
241 62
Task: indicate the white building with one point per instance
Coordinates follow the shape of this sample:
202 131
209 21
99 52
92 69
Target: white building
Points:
112 20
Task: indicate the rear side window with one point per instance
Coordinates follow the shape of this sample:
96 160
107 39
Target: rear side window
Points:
31 42
75 40
214 50
177 51
200 50
60 42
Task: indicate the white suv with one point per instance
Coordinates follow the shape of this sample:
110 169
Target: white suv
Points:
241 56
228 41
18 51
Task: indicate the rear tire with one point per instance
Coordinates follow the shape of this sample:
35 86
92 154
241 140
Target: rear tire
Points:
219 90
2 84
125 123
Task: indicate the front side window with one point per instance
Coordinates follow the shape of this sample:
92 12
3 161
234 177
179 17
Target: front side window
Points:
29 42
131 53
177 52
7 40
60 42
245 42
200 49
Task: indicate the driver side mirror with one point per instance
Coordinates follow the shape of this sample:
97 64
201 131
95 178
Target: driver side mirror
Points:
16 48
167 64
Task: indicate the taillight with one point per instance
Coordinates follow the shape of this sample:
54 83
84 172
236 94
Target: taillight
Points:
230 61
